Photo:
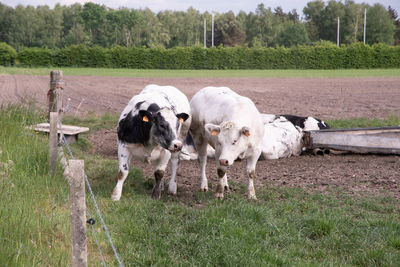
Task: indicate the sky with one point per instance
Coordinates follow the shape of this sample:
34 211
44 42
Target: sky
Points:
219 6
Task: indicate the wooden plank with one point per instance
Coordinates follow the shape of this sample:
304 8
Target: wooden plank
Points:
350 142
66 129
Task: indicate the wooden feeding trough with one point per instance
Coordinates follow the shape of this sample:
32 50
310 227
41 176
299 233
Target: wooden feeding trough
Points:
380 140
70 132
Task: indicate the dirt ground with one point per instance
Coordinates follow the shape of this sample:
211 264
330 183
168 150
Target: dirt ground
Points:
325 98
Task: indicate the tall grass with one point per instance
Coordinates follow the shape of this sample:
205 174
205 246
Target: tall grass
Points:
205 73
34 206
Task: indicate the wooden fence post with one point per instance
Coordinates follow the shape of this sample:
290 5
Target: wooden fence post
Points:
56 91
53 137
78 213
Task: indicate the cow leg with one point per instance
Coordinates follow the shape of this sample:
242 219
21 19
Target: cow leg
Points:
123 159
160 164
251 174
201 147
172 185
223 179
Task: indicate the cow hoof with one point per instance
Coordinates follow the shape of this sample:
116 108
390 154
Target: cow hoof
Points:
252 197
172 189
219 195
171 192
156 194
204 189
115 196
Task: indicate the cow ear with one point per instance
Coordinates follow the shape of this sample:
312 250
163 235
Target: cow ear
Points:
145 116
182 117
212 129
246 131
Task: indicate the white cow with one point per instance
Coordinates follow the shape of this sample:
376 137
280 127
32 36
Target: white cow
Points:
284 135
152 127
281 139
232 125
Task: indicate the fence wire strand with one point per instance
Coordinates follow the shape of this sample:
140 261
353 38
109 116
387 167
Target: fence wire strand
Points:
95 238
64 139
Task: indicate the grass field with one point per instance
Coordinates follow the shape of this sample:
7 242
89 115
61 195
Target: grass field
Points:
285 227
205 73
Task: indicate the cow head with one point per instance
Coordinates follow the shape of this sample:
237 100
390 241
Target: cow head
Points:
165 127
231 141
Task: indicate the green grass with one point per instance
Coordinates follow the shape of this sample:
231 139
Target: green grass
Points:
205 73
34 206
363 122
285 227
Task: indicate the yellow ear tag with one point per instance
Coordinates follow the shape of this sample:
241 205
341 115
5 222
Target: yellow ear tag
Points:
145 119
246 133
214 132
180 120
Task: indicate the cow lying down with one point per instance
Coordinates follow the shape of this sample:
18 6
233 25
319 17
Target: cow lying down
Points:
283 137
152 127
283 134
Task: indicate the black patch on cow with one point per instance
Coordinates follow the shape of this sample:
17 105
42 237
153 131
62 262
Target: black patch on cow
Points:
296 120
299 121
132 129
322 126
189 140
153 108
138 104
162 128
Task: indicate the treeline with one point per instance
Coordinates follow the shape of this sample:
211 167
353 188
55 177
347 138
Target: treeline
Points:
324 55
96 25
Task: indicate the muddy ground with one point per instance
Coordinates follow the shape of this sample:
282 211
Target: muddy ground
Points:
325 98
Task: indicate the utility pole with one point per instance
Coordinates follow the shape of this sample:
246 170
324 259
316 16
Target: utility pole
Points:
212 29
338 28
205 34
365 23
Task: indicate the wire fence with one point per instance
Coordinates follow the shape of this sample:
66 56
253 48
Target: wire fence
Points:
91 221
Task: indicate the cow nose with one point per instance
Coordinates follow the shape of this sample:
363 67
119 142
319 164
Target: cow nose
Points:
223 162
178 146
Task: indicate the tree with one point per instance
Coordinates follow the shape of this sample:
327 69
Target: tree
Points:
293 34
151 31
396 22
380 28
94 19
314 18
293 16
329 15
352 22
228 30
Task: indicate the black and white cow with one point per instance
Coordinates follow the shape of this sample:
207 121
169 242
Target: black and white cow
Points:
284 134
306 123
152 127
232 125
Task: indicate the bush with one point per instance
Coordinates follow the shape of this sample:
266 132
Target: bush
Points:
7 54
322 55
35 57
